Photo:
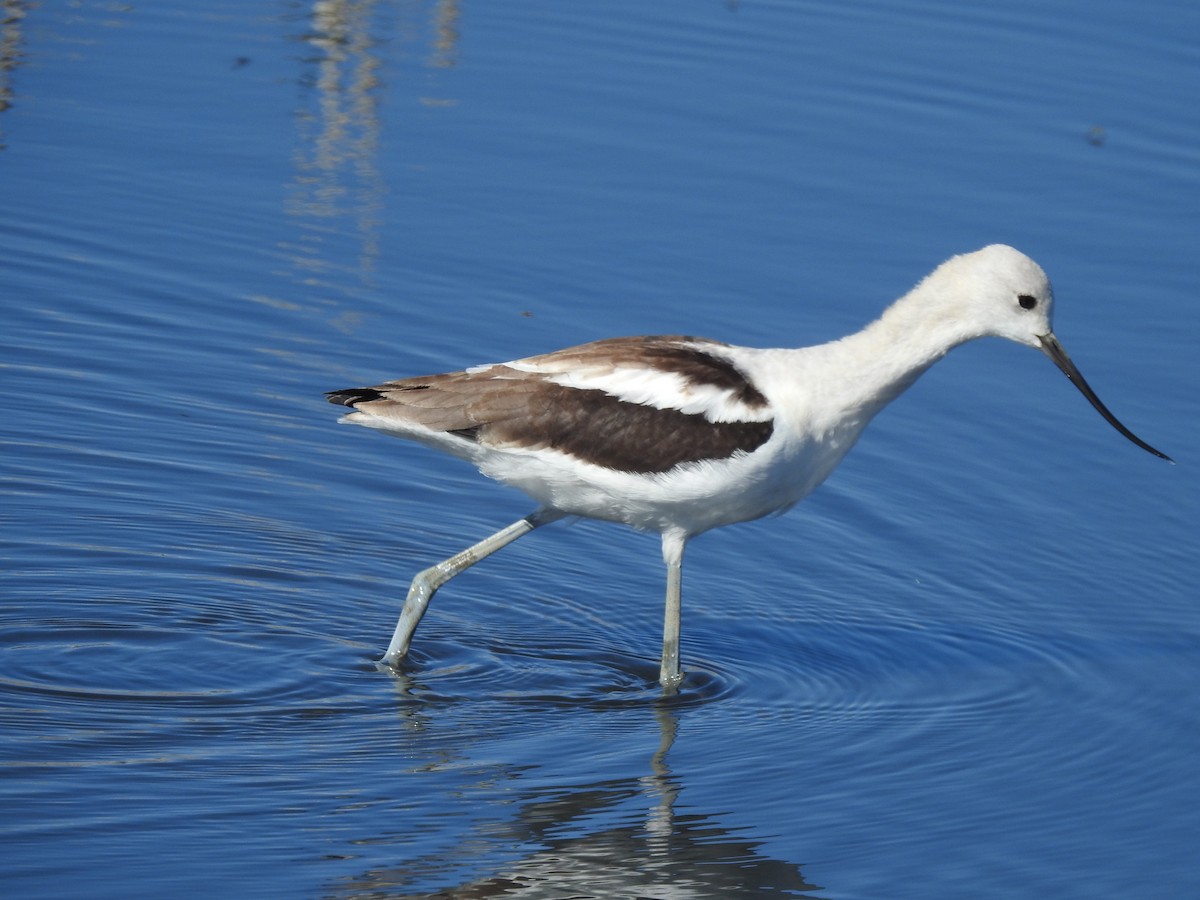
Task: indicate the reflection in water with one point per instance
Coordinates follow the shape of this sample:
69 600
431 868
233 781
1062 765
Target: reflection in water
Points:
12 16
445 45
584 842
337 172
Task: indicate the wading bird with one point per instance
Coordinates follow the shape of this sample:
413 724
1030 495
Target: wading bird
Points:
678 435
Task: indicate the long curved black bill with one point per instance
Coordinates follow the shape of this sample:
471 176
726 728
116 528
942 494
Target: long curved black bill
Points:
1053 349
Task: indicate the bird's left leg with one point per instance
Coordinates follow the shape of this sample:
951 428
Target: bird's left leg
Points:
425 585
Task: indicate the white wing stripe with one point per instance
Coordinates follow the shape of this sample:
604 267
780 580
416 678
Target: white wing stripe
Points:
665 390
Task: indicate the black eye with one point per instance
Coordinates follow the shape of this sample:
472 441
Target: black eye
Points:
1027 301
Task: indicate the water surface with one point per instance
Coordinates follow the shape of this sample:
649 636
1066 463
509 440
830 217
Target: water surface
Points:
965 667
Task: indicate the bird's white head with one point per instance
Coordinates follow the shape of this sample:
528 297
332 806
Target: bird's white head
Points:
996 292
1001 292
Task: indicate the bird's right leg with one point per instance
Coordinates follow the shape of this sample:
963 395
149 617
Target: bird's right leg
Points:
425 585
669 675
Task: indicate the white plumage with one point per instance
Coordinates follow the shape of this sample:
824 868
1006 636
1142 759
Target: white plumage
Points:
679 435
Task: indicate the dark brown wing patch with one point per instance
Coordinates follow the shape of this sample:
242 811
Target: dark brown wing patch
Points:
627 437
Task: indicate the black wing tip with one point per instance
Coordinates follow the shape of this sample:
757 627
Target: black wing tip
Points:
352 396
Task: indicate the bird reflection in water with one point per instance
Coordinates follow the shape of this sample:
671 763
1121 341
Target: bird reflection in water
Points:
622 837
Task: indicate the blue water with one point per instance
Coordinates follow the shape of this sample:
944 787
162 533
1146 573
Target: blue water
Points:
967 667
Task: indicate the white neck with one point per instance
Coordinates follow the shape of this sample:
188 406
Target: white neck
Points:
880 362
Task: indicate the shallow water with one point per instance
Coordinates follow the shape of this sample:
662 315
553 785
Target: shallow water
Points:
965 667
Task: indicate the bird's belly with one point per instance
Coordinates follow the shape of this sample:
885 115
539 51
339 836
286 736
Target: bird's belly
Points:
692 498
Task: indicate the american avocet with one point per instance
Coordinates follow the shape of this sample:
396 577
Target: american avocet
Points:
681 434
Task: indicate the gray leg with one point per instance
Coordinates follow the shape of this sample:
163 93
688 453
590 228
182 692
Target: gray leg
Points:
425 585
669 675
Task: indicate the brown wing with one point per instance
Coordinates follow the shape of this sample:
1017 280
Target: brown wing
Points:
517 406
